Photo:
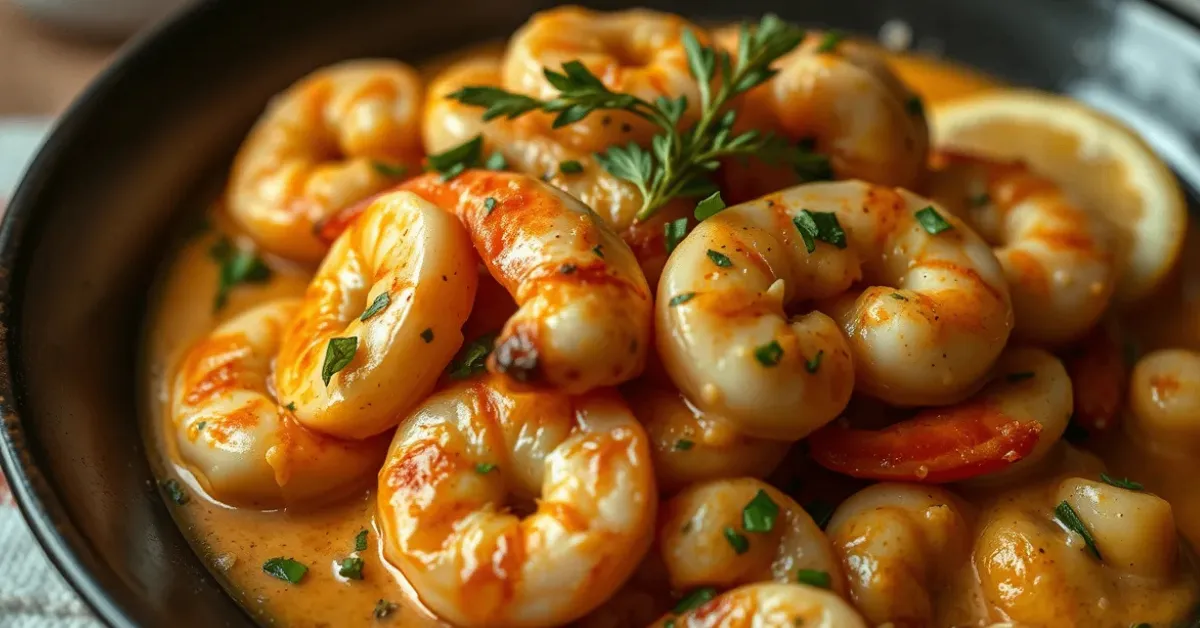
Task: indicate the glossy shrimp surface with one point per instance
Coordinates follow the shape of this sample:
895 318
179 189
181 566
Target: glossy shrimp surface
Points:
584 316
392 294
471 452
1001 431
638 52
336 136
244 447
926 315
898 544
768 605
1058 263
840 97
692 446
708 537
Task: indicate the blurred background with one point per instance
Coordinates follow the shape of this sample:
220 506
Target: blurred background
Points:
50 50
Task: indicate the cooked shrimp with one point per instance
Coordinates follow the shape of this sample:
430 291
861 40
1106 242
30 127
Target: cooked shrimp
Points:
1099 379
637 51
1003 430
528 149
470 453
336 136
1164 396
926 331
841 97
690 446
768 605
243 446
585 314
390 299
898 544
1058 265
727 533
1034 570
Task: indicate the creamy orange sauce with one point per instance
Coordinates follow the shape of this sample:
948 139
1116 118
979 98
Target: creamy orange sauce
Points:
236 542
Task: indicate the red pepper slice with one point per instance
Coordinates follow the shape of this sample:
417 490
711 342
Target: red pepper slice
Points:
937 446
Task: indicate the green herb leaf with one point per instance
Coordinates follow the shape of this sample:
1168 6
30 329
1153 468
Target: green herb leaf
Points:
201 425
175 492
567 269
822 226
237 266
285 569
472 359
674 232
427 335
760 513
570 167
484 468
382 300
360 541
899 297
291 406
914 106
351 568
821 512
931 221
394 171
383 608
720 259
814 578
695 599
1019 377
454 161
489 204
338 354
1070 520
815 363
496 162
683 444
496 101
1124 483
830 42
598 251
737 540
710 206
769 354
680 299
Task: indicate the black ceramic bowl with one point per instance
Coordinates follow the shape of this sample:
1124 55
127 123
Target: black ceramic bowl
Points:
149 142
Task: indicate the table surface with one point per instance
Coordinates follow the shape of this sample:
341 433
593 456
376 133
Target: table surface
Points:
41 73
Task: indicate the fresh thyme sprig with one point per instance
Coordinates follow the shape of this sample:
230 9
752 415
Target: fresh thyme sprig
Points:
679 161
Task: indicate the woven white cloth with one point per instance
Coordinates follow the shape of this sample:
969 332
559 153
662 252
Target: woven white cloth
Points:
32 594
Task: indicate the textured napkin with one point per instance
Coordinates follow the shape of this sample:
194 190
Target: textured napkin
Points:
32 594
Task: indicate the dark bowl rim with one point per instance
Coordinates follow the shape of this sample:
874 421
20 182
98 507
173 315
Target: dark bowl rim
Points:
40 506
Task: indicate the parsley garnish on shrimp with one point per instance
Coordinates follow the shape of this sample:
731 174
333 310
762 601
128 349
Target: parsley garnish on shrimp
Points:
679 161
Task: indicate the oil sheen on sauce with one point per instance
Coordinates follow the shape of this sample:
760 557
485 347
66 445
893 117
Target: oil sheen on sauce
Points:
236 542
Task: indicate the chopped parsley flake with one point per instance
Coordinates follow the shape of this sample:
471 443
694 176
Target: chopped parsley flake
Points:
931 221
710 206
483 468
453 162
496 162
570 167
291 406
378 305
683 444
351 568
383 608
489 204
819 226
674 232
680 299
175 492
598 251
815 363
237 266
760 513
899 297
720 259
285 569
830 42
814 578
737 540
338 355
394 171
695 599
427 335
360 541
769 354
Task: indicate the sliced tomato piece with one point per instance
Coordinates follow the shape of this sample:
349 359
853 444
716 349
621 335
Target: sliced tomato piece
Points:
936 446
